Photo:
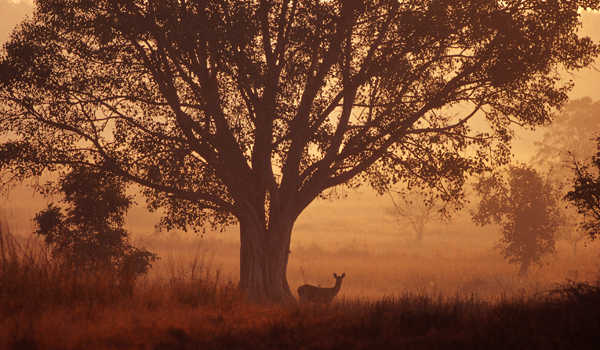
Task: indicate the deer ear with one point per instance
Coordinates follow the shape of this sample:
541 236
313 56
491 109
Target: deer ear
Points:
343 275
334 275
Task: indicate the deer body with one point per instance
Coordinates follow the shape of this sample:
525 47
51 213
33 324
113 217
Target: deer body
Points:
308 293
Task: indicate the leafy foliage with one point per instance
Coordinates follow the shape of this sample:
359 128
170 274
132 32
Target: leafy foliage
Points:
585 194
571 134
90 234
570 137
526 208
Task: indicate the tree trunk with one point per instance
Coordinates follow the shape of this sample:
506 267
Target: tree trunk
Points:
529 253
420 231
419 237
264 258
524 267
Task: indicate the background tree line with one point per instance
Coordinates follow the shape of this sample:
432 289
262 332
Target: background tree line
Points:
555 196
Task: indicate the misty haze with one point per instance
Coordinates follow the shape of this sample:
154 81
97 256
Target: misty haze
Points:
173 171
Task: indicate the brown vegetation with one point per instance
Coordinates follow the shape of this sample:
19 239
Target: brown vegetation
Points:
190 307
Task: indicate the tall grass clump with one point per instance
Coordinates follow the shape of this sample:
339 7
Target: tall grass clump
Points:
47 304
195 282
31 280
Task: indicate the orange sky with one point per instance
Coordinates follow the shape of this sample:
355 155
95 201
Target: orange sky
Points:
587 80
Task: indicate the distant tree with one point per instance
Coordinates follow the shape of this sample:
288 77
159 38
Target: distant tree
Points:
414 209
585 194
570 136
569 230
526 207
90 234
246 111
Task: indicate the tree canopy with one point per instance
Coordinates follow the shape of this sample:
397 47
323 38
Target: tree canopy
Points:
585 195
91 234
525 205
246 111
568 141
570 135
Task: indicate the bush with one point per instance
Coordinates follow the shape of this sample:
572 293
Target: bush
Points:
90 234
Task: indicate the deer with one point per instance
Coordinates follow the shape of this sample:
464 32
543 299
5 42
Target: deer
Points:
308 293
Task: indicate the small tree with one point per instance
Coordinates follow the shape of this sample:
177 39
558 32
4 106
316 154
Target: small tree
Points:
415 209
586 193
526 207
569 231
90 235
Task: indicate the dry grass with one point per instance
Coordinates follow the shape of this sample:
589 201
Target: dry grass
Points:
186 304
386 264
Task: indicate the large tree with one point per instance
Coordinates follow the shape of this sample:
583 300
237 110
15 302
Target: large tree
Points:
247 111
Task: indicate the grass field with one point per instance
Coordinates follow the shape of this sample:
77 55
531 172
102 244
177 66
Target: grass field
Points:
407 298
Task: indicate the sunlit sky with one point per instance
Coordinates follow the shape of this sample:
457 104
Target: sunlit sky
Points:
586 81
